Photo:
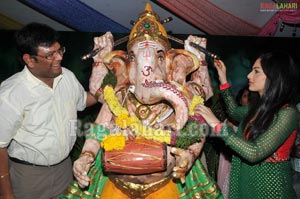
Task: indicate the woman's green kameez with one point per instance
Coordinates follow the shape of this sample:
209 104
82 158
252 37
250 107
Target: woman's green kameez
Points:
251 176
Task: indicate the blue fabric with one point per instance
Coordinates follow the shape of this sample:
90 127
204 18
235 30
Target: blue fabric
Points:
76 15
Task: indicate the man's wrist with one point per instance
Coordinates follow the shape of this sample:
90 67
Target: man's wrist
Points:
5 186
4 175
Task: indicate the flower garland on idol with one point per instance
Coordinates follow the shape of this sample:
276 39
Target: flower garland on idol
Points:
192 132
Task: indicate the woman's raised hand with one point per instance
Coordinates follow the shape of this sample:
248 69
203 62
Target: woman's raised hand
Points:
221 68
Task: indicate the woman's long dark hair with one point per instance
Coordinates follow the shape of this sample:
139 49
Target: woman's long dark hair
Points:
279 90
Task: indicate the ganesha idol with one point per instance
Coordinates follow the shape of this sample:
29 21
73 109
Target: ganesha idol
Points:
146 141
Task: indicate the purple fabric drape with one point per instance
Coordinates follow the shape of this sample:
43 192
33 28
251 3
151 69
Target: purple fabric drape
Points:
210 18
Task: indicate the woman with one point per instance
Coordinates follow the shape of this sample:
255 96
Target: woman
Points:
260 165
243 95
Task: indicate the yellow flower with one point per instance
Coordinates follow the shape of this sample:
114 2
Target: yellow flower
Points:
113 102
151 133
158 135
197 99
134 120
113 142
123 121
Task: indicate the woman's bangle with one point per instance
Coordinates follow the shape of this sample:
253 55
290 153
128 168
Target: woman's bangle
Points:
4 175
218 128
88 153
224 86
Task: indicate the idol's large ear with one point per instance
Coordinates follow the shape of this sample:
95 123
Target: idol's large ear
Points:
117 62
179 63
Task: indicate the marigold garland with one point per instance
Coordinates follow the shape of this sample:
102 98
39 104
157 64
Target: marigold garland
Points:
123 120
197 99
113 142
113 102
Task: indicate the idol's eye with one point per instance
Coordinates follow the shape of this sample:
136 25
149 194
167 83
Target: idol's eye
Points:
161 56
131 57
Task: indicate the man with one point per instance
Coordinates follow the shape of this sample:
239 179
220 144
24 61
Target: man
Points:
38 106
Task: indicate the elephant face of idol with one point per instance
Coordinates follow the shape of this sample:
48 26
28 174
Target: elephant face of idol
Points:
147 64
149 79
155 75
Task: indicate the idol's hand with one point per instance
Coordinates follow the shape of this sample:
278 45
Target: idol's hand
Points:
81 167
185 159
201 76
201 41
99 71
105 43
